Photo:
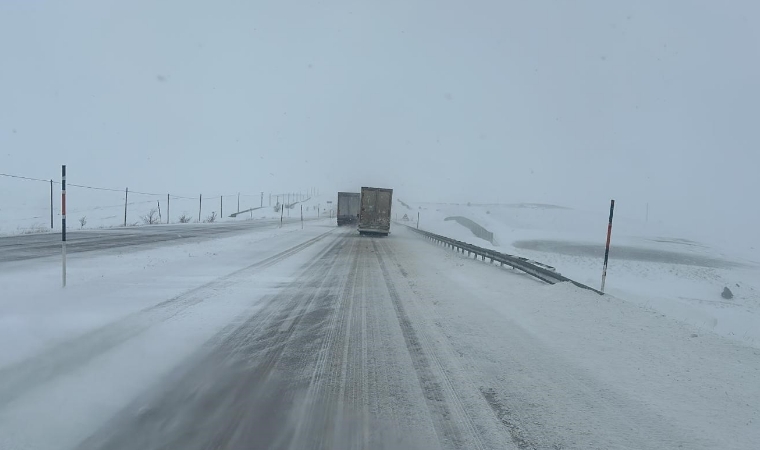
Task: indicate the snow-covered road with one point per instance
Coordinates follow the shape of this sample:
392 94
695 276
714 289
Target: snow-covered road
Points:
30 246
319 338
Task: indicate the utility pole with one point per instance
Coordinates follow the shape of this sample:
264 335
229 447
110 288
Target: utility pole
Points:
262 199
51 204
126 200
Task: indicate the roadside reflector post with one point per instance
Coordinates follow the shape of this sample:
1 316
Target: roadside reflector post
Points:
126 202
282 211
302 217
200 206
63 221
167 209
418 220
51 204
607 248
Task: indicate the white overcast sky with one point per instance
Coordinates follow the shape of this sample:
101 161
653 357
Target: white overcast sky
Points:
567 102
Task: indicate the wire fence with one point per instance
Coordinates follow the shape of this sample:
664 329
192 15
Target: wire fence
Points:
32 205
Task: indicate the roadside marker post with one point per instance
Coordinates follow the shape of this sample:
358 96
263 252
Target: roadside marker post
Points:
607 248
302 217
126 202
63 221
51 204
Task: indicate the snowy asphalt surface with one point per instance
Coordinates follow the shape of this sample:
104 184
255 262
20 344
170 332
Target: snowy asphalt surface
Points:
332 361
23 247
336 341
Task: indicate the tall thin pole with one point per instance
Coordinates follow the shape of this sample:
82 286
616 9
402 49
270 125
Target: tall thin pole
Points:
158 203
51 204
221 206
126 201
168 217
282 211
238 210
262 199
418 220
302 217
63 223
200 206
607 249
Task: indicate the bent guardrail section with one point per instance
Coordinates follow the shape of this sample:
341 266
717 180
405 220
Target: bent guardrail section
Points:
535 269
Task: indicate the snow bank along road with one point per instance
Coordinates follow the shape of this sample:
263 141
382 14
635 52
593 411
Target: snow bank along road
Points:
324 339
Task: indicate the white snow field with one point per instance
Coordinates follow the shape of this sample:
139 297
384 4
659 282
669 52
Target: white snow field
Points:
660 267
320 338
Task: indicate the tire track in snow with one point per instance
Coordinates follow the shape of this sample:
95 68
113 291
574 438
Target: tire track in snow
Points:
238 392
454 425
72 354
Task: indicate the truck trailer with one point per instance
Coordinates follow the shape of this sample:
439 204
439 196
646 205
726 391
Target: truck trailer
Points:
349 204
375 211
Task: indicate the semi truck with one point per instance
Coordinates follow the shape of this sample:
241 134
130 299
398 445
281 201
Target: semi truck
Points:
348 207
375 211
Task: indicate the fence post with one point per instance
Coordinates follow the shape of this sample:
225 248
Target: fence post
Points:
51 204
126 201
607 248
63 223
200 206
168 216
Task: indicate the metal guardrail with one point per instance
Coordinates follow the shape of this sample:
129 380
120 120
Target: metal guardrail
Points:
535 269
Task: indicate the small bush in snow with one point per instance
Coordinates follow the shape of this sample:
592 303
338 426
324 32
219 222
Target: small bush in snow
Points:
151 218
211 218
184 218
82 221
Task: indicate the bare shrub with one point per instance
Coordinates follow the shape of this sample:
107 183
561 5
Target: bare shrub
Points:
184 218
82 221
151 218
211 218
